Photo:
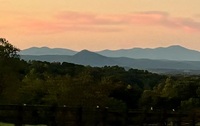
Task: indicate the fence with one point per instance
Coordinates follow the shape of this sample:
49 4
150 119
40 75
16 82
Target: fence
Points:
78 116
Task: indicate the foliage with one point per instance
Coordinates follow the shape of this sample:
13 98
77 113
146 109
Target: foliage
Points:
37 82
12 71
7 50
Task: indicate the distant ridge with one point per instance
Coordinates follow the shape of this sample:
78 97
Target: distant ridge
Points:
175 52
86 58
47 51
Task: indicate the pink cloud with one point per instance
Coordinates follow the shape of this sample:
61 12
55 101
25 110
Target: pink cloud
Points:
165 20
76 21
114 19
39 26
147 18
89 18
141 18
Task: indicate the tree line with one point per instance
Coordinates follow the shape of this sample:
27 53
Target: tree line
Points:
48 83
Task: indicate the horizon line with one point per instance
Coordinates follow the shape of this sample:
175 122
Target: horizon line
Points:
110 49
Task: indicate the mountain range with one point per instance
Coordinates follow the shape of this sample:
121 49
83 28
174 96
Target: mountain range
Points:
158 59
174 52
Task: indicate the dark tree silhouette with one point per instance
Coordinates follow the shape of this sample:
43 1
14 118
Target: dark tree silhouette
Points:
7 50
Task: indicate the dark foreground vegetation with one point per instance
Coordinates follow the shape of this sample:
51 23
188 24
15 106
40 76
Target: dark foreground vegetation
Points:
45 83
78 116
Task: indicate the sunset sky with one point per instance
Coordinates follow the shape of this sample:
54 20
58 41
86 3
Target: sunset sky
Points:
100 24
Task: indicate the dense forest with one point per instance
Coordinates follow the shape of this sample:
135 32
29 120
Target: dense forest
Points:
47 83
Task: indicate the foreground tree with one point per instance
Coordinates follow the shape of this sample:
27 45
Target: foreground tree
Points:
11 69
7 50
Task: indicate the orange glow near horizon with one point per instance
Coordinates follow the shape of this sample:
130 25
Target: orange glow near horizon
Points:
99 25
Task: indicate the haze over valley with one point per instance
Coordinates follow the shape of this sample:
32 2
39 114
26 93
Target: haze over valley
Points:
162 59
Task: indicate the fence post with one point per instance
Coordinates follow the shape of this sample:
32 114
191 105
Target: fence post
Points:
125 117
79 116
52 116
163 118
179 118
35 115
192 122
62 119
97 116
19 121
104 114
143 116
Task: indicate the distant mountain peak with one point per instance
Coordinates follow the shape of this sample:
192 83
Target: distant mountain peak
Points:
87 53
176 46
84 52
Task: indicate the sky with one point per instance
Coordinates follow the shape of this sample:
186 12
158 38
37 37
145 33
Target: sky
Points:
100 24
